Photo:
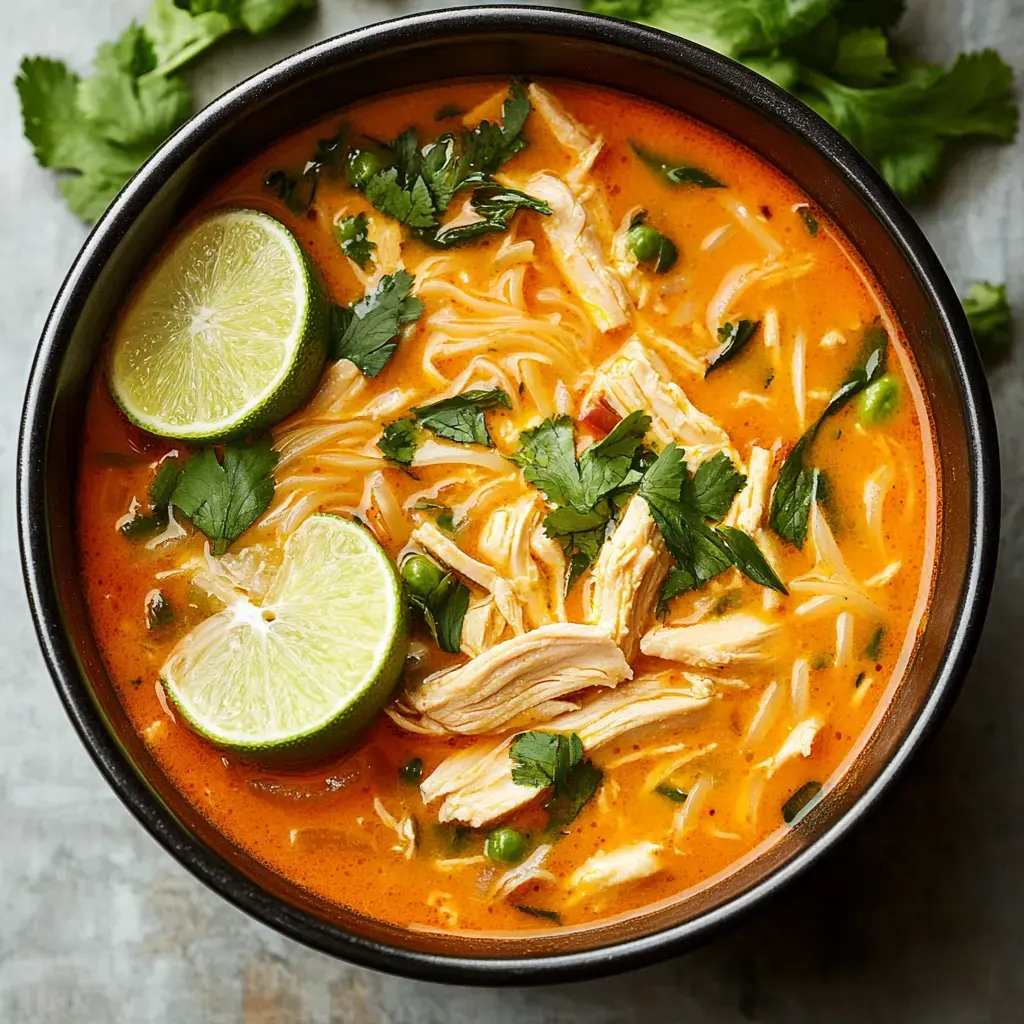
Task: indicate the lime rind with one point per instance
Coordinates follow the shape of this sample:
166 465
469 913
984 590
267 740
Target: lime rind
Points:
305 671
227 334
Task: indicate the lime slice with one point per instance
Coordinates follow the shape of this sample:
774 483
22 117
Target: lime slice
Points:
226 336
306 670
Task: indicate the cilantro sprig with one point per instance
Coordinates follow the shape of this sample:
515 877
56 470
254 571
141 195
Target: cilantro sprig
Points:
367 331
160 490
797 487
352 235
224 498
461 418
988 313
588 492
97 131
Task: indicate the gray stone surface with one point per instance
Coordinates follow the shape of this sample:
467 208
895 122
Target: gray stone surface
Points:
918 918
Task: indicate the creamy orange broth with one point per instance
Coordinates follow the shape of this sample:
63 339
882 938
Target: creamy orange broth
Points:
317 824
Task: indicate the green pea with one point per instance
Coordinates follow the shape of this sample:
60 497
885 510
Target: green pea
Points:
363 164
505 845
421 575
879 402
644 242
412 771
667 256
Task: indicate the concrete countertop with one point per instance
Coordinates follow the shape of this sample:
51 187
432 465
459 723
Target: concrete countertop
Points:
919 917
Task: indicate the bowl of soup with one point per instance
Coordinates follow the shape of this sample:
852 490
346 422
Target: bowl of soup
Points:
503 491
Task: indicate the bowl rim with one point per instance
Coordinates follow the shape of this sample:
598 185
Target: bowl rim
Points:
200 860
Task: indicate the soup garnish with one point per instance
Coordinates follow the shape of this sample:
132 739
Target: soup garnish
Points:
594 554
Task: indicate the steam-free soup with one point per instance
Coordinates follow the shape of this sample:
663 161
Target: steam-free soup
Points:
666 542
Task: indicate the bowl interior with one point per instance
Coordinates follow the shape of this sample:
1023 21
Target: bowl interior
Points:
476 43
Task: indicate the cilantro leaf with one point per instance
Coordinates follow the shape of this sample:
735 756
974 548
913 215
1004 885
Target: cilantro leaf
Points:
412 206
547 915
797 485
581 535
461 418
905 128
496 206
351 233
581 783
673 173
160 490
223 499
448 609
716 483
747 557
604 466
862 58
547 457
399 441
178 35
542 759
810 221
261 16
367 332
732 339
988 313
488 146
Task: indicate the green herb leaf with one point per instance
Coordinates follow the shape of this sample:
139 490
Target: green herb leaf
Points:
716 483
747 557
810 221
801 802
541 759
399 441
581 783
223 499
548 915
670 792
732 339
461 418
412 206
178 35
367 333
673 173
449 612
159 610
797 485
352 234
989 315
874 646
547 457
496 206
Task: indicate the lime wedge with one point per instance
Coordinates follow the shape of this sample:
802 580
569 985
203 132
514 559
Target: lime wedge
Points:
226 336
306 670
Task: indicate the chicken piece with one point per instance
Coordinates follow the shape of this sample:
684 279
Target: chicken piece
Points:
735 639
627 578
520 680
476 783
483 626
578 254
569 133
550 558
637 379
749 506
626 864
797 744
431 539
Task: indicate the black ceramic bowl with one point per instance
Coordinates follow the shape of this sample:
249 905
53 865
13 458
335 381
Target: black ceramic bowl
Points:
476 42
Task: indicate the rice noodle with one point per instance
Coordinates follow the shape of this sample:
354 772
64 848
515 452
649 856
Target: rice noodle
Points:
529 871
800 688
685 818
773 270
769 707
714 238
751 224
844 640
798 372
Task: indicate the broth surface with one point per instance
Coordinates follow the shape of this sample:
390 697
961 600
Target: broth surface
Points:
322 825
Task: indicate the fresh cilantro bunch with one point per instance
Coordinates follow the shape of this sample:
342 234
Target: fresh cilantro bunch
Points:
415 184
98 131
589 492
837 56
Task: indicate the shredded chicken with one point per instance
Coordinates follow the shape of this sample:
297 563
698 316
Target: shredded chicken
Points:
578 255
569 133
483 626
627 578
636 379
748 509
735 639
797 744
530 870
519 681
627 864
476 783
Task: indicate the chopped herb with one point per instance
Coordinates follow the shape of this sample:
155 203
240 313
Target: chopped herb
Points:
137 681
821 661
412 771
874 647
447 111
367 332
860 679
548 915
541 759
732 339
496 206
768 381
726 603
224 498
810 221
351 233
564 807
675 174
296 191
445 518
160 490
670 792
747 557
461 418
797 486
159 611
716 483
988 313
399 441
801 802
